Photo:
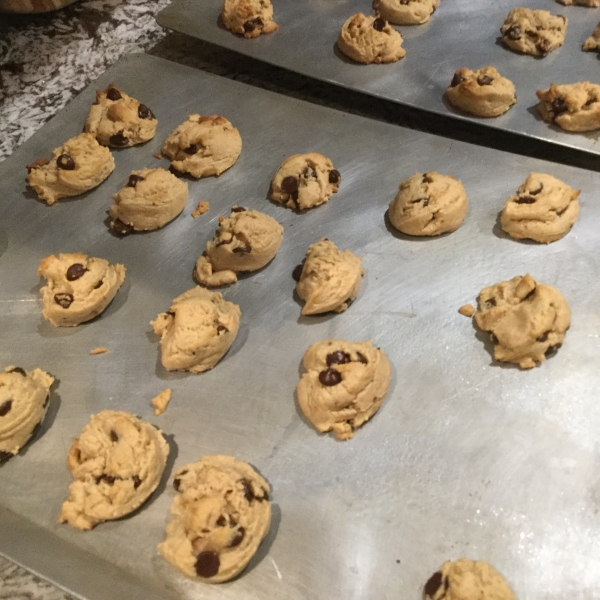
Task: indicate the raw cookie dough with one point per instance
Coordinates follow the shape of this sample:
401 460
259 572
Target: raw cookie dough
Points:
588 3
527 320
219 517
429 204
592 43
370 40
467 580
151 198
77 166
249 18
116 462
406 12
24 399
573 107
161 400
344 385
119 120
305 180
544 209
535 32
78 288
328 279
203 146
246 240
197 330
483 93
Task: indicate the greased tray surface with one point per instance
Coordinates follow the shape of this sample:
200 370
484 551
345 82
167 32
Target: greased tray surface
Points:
465 457
461 33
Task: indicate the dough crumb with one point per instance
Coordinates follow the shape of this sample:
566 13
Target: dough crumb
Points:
467 310
98 350
161 400
202 207
157 155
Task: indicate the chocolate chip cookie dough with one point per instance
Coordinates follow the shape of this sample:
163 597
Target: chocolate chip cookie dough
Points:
429 204
77 288
544 209
588 3
483 93
119 120
370 40
344 385
197 330
24 399
573 107
248 18
406 12
535 32
116 463
77 166
304 181
592 43
220 515
528 320
245 241
203 146
328 279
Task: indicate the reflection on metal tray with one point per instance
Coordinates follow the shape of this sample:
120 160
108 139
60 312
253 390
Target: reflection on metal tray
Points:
461 33
464 458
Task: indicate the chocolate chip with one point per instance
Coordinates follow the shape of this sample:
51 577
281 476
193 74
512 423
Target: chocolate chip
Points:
63 300
542 338
207 564
289 185
252 24
491 302
222 329
113 436
75 271
4 456
118 139
134 180
172 314
99 284
330 377
456 79
361 358
485 80
5 408
525 200
136 482
65 162
379 24
589 102
237 540
297 272
221 521
404 2
310 172
104 477
334 176
248 493
543 46
40 162
338 358
121 228
552 349
513 33
559 106
194 148
265 495
427 178
434 584
238 209
245 249
144 112
112 93
176 483
19 371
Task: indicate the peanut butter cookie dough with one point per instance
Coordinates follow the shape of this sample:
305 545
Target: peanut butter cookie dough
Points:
588 3
573 107
535 32
406 12
592 43
344 385
116 462
219 517
249 18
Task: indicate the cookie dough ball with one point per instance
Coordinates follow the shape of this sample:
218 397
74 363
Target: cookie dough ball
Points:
197 330
77 166
592 43
535 32
249 18
116 463
573 107
588 3
406 12
77 288
467 580
246 240
219 517
483 93
24 398
203 146
119 120
328 279
151 198
429 204
527 320
370 40
544 209
344 385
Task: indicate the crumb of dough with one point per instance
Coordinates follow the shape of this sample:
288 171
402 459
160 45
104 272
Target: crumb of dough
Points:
161 400
157 155
467 310
98 350
202 207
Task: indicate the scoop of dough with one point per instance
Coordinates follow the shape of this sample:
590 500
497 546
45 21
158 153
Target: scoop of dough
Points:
249 18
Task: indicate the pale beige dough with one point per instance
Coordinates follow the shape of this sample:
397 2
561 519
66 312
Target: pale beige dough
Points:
527 320
161 400
370 40
24 399
544 209
588 3
203 146
429 204
329 279
197 330
535 32
77 166
220 515
573 107
406 12
77 288
249 18
344 385
592 43
116 463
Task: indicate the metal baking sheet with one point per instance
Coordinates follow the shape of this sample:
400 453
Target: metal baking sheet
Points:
465 457
461 33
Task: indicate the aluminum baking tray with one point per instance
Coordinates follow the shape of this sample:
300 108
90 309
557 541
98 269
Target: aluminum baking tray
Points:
465 457
462 33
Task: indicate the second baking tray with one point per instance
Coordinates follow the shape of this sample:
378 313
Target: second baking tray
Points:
461 33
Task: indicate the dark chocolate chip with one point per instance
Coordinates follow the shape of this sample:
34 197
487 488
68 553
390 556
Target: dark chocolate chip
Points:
543 46
379 24
134 180
513 33
40 162
113 436
172 314
252 24
456 80
176 483
334 176
118 139
222 329
144 112
330 377
559 106
207 564
338 358
289 185
297 272
112 93
427 178
108 478
265 495
485 80
552 349
404 2
5 408
589 102
19 371
99 284
433 584
65 162
121 228
245 249
238 209
542 338
63 300
248 493
237 540
75 271
361 358
221 521
525 200
136 482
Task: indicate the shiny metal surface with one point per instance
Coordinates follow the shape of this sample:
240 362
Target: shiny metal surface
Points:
461 33
465 457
